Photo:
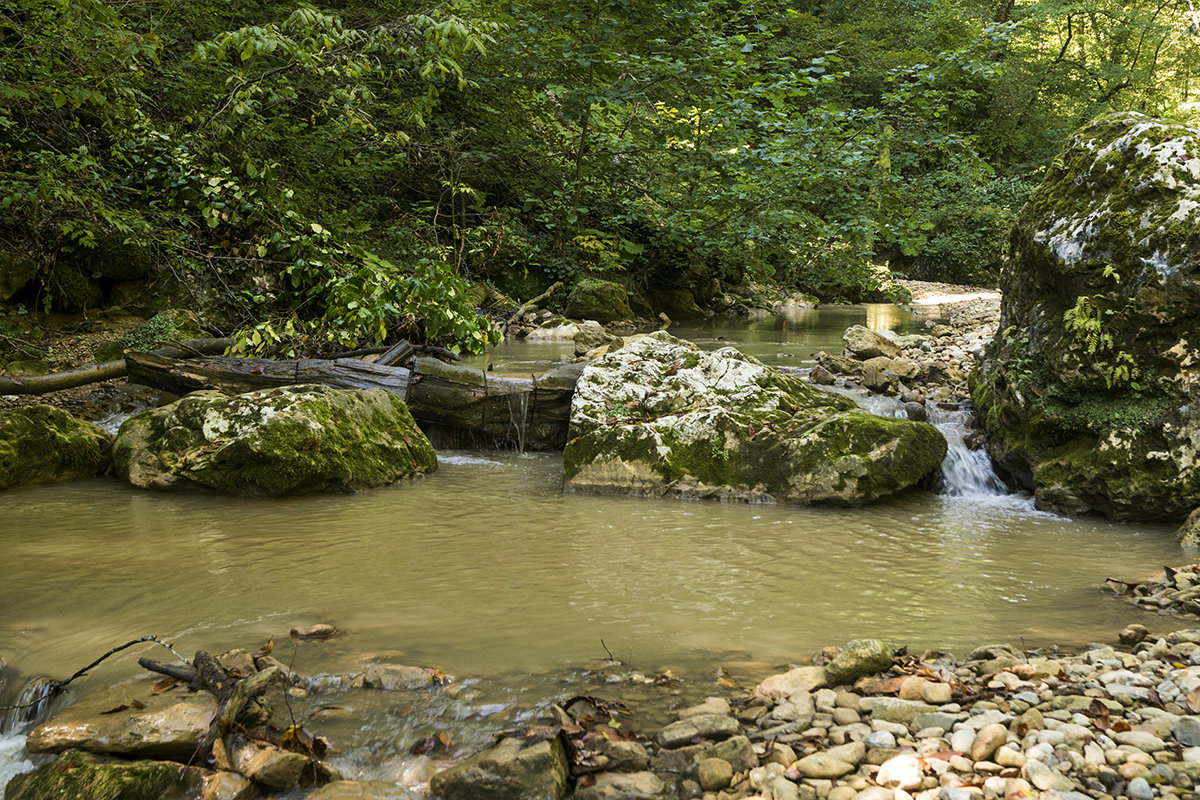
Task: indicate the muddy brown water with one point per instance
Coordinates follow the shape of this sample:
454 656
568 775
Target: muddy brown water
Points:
491 572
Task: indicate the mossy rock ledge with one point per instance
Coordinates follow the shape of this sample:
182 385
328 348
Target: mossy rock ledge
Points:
1090 391
286 441
660 416
42 444
83 776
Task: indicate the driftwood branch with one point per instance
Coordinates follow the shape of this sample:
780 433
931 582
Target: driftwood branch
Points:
244 692
532 304
43 384
181 672
233 694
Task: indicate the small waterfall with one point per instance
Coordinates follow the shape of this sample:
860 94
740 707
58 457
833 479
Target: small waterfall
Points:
518 413
30 707
965 472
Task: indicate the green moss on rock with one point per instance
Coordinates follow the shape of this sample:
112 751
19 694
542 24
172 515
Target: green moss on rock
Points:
285 441
68 289
603 301
81 776
1085 390
16 270
42 444
660 416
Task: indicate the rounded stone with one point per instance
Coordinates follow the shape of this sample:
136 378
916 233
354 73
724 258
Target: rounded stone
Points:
986 742
823 765
714 774
1140 789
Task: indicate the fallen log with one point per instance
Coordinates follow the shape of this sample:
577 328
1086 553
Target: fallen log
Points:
44 384
456 405
532 304
238 375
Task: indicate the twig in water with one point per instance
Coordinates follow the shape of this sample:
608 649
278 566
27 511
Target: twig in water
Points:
54 687
613 658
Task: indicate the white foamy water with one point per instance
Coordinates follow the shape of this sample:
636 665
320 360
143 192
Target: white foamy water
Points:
13 759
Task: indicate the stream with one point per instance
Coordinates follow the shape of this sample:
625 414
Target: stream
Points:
526 594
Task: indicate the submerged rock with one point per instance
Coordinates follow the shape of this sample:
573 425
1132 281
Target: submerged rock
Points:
42 444
512 770
1090 391
284 441
660 416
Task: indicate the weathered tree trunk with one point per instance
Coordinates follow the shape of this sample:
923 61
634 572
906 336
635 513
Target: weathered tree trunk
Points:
44 384
459 404
238 375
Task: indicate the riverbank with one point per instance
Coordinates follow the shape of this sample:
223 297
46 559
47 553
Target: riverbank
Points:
862 722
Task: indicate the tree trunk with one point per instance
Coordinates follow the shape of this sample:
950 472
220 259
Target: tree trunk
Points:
44 384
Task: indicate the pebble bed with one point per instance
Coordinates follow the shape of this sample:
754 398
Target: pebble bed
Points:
1105 723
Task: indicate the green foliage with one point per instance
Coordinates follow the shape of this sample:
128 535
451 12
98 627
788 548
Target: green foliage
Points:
334 172
151 334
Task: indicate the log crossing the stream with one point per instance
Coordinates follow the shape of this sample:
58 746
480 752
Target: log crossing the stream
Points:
458 405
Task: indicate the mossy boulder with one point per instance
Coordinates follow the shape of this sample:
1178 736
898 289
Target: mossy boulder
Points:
82 776
1089 391
659 416
69 289
116 257
512 770
858 658
678 303
603 301
16 270
44 444
1189 531
286 441
149 295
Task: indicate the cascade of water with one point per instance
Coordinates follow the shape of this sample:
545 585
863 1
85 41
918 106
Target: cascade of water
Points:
31 707
965 472
518 411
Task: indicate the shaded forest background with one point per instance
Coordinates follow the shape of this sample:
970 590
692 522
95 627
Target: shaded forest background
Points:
322 173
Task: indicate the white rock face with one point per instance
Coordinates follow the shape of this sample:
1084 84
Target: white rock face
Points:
660 416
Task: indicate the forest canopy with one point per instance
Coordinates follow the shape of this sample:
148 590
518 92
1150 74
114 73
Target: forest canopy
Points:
332 173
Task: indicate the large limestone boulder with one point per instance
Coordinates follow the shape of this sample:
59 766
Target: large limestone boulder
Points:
43 444
512 770
1188 533
858 658
129 720
284 441
1090 391
603 301
660 416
